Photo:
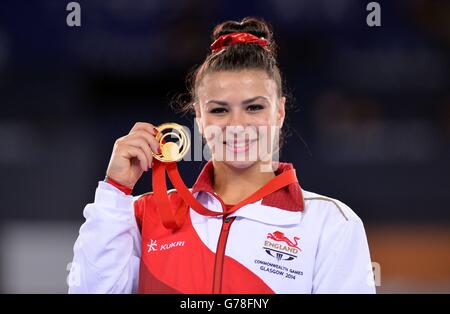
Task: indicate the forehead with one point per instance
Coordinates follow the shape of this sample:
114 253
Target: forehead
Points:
236 84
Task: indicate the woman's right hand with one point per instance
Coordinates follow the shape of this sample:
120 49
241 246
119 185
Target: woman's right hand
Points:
132 154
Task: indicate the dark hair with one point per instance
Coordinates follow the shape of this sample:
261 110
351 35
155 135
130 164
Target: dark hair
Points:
236 57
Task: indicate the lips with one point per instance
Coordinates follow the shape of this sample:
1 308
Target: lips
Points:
239 147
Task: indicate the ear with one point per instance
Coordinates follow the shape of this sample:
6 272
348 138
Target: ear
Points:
281 111
198 116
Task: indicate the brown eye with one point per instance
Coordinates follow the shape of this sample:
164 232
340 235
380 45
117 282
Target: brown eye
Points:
218 110
255 107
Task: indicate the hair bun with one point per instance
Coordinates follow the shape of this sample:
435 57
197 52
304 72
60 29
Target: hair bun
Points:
251 25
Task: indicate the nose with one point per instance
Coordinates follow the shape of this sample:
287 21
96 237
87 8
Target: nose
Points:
239 127
237 118
236 124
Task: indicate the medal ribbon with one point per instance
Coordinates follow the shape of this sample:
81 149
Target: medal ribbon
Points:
173 218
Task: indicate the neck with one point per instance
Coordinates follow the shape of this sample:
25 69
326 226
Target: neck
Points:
234 185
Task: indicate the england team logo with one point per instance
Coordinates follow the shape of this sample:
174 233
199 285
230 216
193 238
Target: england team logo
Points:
281 247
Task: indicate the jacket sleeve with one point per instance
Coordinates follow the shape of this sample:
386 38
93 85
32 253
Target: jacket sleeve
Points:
108 248
343 262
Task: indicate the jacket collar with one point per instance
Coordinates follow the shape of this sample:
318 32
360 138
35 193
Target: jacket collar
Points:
289 198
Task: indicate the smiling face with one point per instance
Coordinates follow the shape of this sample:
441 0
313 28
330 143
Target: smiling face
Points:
235 111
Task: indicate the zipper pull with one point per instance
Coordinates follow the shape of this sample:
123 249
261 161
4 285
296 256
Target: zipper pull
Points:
227 223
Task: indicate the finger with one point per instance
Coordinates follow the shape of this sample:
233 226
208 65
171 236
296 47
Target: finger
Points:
142 144
130 151
151 140
145 127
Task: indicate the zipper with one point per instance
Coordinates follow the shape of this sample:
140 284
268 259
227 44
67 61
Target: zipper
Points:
220 254
220 249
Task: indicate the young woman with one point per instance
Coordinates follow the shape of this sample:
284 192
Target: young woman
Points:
287 241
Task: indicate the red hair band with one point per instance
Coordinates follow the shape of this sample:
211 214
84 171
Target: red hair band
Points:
234 38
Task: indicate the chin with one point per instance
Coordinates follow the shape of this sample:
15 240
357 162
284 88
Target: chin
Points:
240 164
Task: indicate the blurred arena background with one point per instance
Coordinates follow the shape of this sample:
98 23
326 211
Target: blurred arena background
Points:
371 125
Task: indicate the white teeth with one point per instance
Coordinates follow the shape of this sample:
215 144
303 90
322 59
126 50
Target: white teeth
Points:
238 144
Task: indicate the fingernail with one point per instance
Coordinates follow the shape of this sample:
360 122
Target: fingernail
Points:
159 150
155 130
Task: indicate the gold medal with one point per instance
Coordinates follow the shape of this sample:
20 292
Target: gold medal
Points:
172 151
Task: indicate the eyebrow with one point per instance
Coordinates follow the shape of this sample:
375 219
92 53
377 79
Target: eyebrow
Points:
247 101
